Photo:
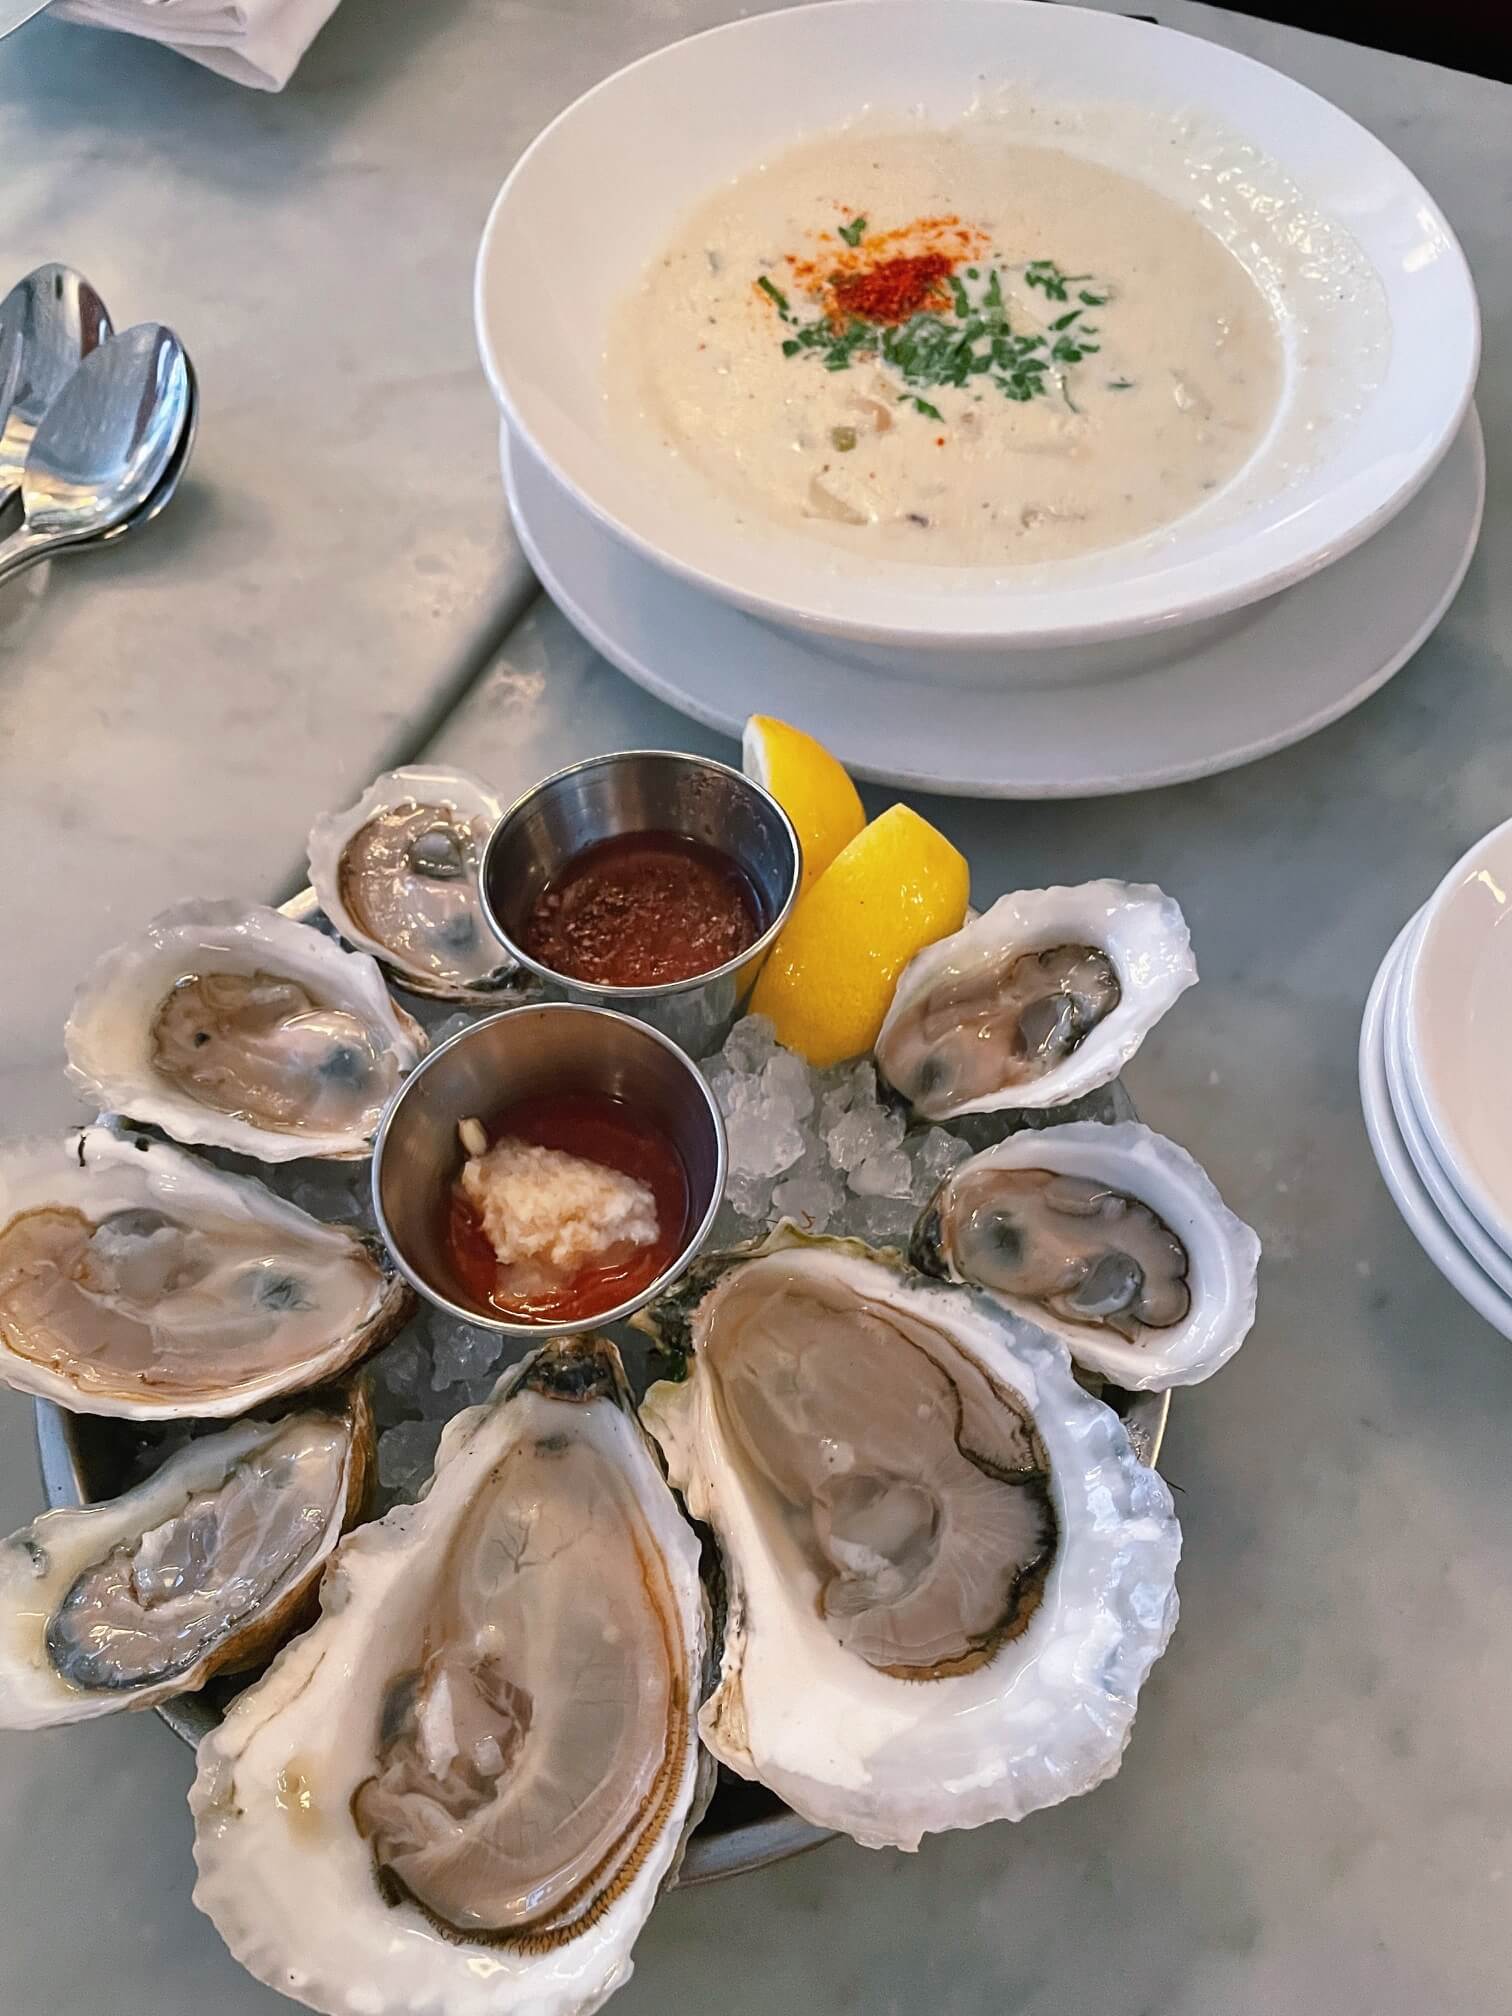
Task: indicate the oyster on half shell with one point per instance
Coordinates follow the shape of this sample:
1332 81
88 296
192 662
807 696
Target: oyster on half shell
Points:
230 1024
947 1572
397 874
136 1280
464 1787
204 1568
1112 1237
1036 1002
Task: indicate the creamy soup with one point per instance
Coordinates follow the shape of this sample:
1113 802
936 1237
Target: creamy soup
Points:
950 347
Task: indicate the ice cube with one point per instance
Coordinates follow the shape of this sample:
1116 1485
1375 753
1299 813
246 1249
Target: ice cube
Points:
935 1153
866 1130
749 1045
751 1197
811 1198
886 1173
786 1077
883 1221
839 1088
406 1454
724 1083
731 1229
761 1127
461 1351
397 1376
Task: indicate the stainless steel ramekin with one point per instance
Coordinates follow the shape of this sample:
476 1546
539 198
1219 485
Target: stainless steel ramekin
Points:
646 791
550 1046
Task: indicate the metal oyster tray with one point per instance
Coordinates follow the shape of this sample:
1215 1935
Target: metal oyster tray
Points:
86 1457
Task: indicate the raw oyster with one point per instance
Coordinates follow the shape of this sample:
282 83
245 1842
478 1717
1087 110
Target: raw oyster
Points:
488 1736
203 1569
136 1280
228 1023
1112 1237
947 1572
1038 1001
397 874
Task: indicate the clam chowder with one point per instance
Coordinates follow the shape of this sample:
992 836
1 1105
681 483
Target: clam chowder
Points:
950 347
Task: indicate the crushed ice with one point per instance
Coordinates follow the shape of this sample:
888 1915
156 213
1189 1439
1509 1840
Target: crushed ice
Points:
828 1149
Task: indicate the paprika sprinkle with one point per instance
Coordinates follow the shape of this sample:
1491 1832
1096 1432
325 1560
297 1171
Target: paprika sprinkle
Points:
894 290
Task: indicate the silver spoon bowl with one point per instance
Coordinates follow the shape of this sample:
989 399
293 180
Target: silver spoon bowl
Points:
49 323
171 478
120 428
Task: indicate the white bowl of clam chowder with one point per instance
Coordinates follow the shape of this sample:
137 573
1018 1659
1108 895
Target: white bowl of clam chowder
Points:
978 328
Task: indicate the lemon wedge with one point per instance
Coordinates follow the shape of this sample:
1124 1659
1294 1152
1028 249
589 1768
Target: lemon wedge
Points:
897 887
809 784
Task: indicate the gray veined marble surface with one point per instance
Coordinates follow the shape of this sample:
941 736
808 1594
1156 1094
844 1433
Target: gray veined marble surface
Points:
1314 1813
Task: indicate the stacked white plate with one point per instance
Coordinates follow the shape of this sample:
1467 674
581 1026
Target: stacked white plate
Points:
1436 1076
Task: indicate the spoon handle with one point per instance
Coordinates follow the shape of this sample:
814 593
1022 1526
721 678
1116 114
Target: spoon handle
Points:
23 549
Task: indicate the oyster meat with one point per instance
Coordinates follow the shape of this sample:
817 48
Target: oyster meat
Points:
230 1024
1112 1237
203 1569
397 874
1036 1002
137 1280
463 1788
947 1572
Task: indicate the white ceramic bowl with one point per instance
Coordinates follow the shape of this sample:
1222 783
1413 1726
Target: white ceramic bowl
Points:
1396 1166
1454 1020
605 186
1447 1201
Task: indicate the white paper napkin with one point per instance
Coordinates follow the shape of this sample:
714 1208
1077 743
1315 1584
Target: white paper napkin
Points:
256 42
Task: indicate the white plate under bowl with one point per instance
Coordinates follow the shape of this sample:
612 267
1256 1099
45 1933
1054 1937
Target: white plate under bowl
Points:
1263 159
1302 660
1451 1207
1401 1178
1454 1028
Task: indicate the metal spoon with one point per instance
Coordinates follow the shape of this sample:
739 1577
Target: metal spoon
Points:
105 447
172 475
49 322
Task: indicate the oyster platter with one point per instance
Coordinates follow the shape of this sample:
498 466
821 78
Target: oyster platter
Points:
551 1427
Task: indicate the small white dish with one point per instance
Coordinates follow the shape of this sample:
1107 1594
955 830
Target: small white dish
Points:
1455 1020
1401 1178
1451 1207
604 187
1265 685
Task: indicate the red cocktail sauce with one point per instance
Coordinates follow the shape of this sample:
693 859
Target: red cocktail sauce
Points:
602 1130
643 910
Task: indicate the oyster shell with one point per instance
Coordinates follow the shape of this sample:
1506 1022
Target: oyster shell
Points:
1037 1002
947 1572
136 1280
397 874
489 1734
202 1569
1112 1237
227 1023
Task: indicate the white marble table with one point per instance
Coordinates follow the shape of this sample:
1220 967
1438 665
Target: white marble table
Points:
1314 1813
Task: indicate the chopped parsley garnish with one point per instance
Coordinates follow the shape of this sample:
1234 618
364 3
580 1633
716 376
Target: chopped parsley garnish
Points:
970 341
853 232
1120 384
1053 283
